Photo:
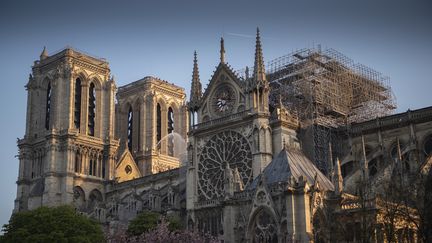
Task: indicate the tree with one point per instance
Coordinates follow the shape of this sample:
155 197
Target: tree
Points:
147 220
143 222
58 224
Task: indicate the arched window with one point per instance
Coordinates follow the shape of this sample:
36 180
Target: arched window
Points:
129 129
77 107
170 130
264 228
158 123
48 107
91 110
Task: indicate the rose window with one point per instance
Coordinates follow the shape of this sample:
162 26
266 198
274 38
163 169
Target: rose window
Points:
225 147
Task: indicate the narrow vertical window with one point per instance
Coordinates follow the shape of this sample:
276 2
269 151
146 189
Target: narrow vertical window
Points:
91 110
130 128
158 123
170 130
48 107
91 167
77 162
77 108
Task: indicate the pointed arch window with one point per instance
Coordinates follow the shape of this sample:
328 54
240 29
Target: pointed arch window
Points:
77 105
48 106
91 110
130 128
170 130
158 123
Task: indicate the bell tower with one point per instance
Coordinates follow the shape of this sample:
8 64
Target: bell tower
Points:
68 150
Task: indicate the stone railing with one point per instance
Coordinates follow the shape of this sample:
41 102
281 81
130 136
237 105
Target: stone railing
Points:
174 173
356 205
401 119
208 203
222 119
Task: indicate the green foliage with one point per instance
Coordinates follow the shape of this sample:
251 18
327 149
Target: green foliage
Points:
147 221
144 222
59 224
174 223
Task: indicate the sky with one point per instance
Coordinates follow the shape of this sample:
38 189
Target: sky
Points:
141 38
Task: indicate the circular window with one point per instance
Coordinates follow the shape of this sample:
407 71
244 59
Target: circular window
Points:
225 147
128 169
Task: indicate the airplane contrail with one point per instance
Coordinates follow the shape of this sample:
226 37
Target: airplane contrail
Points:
248 36
240 35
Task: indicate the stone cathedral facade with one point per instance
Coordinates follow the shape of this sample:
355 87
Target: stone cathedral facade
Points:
228 161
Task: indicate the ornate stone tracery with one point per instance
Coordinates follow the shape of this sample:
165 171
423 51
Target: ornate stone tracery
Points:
225 147
264 228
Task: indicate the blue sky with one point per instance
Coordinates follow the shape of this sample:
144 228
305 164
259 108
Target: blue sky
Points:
141 38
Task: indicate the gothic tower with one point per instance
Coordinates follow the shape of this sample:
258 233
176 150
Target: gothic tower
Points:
152 124
68 150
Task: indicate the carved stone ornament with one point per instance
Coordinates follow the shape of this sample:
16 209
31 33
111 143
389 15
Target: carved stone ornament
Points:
225 147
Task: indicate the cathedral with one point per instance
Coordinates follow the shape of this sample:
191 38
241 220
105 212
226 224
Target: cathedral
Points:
298 153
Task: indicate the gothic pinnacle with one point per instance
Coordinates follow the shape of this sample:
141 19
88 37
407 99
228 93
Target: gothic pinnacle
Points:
44 54
196 88
259 71
222 51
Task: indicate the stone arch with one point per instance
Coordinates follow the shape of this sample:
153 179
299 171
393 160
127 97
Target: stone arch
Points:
79 198
94 78
94 199
45 81
82 75
263 226
162 102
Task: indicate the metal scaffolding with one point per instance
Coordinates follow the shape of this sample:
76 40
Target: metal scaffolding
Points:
327 90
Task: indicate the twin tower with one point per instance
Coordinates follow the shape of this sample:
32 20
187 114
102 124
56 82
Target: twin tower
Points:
79 136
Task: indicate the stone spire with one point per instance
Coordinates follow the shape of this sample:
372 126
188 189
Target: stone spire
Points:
259 71
338 179
196 88
44 54
222 51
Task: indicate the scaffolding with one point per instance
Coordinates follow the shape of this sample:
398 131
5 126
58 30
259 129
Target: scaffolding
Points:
328 90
